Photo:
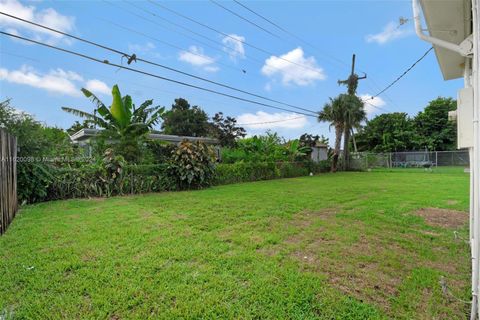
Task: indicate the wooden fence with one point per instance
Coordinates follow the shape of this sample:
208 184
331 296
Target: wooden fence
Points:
8 179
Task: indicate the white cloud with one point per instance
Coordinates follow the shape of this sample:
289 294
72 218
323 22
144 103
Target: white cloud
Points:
390 32
264 120
69 75
147 49
234 46
97 87
197 58
303 71
372 105
55 81
48 17
51 81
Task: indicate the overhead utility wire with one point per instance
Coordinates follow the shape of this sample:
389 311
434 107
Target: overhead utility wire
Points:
222 45
302 40
134 5
402 22
133 57
106 62
149 87
153 88
267 122
402 75
229 36
306 42
343 63
244 19
163 41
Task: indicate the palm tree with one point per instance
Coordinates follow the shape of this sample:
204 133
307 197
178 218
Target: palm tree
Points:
354 114
122 121
334 113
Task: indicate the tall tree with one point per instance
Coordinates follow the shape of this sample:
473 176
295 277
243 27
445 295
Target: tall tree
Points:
185 120
334 113
225 129
388 132
436 132
354 114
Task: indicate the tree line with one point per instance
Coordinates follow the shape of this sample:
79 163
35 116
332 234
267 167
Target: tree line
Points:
429 129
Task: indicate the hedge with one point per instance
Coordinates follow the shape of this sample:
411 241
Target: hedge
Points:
94 181
255 171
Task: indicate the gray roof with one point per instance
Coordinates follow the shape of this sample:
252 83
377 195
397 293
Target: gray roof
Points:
85 134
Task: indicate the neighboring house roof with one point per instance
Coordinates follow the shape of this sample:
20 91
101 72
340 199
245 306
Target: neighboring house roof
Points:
319 144
85 134
449 20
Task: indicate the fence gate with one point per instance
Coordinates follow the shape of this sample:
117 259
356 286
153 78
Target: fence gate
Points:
8 179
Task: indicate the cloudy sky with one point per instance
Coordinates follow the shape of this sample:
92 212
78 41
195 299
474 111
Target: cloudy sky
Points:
298 64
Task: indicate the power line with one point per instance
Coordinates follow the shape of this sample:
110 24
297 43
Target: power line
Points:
402 75
230 37
222 45
134 57
267 122
199 98
106 62
244 19
134 5
304 41
153 88
166 42
343 63
377 107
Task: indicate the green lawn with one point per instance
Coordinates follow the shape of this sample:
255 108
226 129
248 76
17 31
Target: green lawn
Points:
333 246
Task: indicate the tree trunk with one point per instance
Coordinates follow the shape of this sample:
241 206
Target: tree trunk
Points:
346 153
354 142
336 151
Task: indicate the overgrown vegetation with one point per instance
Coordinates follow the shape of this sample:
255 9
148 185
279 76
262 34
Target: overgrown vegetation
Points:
40 148
429 129
124 161
124 126
192 165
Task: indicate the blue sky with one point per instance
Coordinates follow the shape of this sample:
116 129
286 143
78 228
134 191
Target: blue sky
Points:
40 81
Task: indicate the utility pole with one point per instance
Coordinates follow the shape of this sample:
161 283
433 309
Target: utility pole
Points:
352 83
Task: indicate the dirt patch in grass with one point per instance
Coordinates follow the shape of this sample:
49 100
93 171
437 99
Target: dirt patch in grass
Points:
444 218
360 263
360 269
452 202
307 218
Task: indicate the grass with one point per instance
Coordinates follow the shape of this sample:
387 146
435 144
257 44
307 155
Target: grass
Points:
333 246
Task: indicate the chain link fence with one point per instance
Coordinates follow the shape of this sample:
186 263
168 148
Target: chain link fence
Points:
409 159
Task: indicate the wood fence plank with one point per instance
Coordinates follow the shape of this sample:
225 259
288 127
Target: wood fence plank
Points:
8 179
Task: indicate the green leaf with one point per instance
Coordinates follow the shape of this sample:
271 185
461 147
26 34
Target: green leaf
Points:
117 109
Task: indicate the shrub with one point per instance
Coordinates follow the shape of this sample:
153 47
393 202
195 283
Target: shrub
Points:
192 165
93 180
255 171
33 180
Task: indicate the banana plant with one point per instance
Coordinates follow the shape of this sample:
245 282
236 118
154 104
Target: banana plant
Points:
294 150
122 117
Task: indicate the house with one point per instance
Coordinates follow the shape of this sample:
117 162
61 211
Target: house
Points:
83 138
319 152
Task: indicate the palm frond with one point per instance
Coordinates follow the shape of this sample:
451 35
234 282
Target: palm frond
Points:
92 118
143 107
93 98
78 113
